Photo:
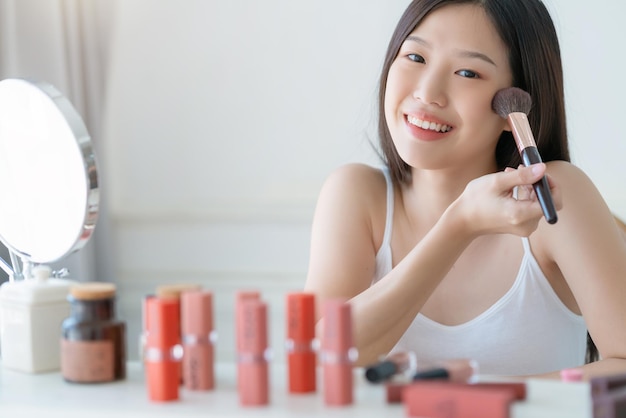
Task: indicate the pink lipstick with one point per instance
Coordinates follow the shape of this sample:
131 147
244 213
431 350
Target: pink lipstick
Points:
198 338
338 353
252 352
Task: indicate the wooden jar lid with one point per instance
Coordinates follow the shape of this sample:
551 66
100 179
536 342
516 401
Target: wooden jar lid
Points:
92 290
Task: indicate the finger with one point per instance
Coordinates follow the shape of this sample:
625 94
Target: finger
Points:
524 192
523 176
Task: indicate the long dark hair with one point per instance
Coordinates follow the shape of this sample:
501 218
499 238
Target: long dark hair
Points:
527 30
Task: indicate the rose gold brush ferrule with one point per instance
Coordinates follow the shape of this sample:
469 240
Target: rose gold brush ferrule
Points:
521 131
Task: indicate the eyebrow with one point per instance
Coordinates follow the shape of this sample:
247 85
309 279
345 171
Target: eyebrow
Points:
462 52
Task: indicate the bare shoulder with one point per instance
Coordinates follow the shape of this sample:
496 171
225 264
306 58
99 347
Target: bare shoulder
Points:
353 203
357 175
356 184
584 214
566 171
575 184
347 228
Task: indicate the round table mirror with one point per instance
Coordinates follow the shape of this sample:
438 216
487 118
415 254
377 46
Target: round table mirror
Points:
48 176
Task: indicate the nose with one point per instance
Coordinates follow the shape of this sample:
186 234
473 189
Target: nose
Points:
431 89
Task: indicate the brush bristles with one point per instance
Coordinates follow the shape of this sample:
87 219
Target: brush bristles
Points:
511 100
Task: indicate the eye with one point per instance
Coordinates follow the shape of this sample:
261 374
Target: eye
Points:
416 58
468 74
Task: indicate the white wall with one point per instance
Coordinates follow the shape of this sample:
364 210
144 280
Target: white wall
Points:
591 43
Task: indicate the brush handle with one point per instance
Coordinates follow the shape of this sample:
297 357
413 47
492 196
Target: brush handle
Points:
530 155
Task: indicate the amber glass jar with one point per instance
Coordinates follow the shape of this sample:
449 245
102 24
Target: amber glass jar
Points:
93 343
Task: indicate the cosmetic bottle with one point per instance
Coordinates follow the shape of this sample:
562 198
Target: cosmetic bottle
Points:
93 343
300 343
198 339
32 311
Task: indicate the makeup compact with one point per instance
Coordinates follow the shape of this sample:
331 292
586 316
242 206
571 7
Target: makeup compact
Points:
49 192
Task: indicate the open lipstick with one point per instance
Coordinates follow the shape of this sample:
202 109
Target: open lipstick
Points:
514 104
301 357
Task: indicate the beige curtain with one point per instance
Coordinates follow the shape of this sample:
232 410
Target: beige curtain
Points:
64 42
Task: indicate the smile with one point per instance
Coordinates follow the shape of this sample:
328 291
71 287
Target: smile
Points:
431 126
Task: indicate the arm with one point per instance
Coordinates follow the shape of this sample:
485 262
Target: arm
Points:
589 251
343 248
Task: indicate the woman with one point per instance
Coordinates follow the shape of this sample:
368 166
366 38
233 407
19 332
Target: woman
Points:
445 251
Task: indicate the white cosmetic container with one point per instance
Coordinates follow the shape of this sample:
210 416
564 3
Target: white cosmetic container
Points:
31 314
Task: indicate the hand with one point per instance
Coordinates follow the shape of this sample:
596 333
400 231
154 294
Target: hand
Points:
488 205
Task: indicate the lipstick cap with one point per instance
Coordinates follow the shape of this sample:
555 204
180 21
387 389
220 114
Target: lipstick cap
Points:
252 326
246 295
337 333
196 308
174 290
301 316
162 322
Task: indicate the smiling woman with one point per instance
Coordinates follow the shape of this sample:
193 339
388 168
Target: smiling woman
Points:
438 252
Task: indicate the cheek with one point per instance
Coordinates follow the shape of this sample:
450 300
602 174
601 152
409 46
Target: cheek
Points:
481 114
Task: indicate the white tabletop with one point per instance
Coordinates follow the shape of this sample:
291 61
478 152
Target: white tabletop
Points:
48 395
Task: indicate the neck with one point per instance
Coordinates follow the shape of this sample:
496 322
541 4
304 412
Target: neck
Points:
431 192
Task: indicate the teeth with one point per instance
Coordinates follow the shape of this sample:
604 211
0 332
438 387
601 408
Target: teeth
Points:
432 126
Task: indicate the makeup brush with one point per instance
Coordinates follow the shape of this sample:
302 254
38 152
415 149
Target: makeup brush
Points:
513 104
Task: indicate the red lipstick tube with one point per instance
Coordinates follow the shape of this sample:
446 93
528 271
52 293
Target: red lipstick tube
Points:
301 357
163 351
338 353
198 338
252 349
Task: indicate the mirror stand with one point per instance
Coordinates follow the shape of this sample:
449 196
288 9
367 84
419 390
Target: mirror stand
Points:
14 271
7 268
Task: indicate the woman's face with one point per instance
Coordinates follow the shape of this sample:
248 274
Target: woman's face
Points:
440 88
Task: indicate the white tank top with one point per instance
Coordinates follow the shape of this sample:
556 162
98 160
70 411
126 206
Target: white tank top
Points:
527 331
